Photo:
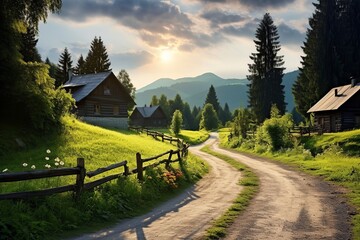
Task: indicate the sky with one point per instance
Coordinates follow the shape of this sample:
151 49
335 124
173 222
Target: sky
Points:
154 39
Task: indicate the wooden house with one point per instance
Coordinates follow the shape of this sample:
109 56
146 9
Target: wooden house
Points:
339 109
152 116
100 98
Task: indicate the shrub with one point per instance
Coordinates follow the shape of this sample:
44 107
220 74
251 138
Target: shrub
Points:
209 119
176 122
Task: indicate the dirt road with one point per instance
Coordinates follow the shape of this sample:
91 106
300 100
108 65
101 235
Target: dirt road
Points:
290 205
188 215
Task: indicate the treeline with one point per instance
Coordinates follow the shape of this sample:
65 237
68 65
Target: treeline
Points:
208 117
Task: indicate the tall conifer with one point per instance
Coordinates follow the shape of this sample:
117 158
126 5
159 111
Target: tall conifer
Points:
266 71
64 65
97 59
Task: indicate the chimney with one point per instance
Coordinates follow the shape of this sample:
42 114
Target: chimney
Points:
336 93
353 81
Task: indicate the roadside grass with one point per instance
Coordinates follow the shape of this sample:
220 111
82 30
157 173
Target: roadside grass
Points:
60 216
328 156
189 136
250 183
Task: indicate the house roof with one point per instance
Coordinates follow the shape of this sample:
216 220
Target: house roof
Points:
147 112
331 102
87 83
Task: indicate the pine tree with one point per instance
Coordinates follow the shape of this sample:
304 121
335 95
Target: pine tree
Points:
28 45
176 104
97 59
209 119
325 62
63 68
212 99
154 101
188 117
196 113
80 66
266 71
225 114
164 104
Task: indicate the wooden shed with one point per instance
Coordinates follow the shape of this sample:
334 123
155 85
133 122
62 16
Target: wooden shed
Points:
338 110
152 116
100 98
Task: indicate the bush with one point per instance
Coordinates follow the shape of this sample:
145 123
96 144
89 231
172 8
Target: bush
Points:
176 122
274 133
209 119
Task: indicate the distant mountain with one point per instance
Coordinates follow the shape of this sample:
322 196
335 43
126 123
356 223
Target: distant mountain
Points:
194 90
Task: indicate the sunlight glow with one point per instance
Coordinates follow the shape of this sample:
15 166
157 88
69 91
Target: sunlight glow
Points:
166 55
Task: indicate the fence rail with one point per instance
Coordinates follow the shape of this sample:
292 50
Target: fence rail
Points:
81 173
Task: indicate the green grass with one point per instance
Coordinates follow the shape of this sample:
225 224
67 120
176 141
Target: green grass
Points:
189 136
249 181
329 156
59 214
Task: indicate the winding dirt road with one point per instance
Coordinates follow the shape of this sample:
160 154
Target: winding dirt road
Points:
188 215
289 205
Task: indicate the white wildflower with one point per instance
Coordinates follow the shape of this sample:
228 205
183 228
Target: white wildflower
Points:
47 158
62 163
5 170
25 164
57 159
56 164
33 167
48 151
47 165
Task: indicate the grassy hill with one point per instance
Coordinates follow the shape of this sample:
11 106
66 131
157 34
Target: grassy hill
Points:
60 214
194 90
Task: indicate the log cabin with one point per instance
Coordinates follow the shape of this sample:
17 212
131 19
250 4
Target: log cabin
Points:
338 110
100 98
152 116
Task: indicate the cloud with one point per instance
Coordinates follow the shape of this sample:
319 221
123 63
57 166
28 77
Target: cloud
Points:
218 17
130 60
290 36
266 3
246 30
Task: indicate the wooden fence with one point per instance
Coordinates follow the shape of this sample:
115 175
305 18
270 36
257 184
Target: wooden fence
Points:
81 173
158 135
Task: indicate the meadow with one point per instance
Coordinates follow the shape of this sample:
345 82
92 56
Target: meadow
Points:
60 214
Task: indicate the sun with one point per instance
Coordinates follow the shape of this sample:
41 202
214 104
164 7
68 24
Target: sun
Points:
166 55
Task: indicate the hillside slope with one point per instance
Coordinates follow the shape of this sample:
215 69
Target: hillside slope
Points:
194 90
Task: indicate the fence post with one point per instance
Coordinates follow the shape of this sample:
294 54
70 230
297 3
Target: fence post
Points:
80 177
167 164
162 137
139 166
126 170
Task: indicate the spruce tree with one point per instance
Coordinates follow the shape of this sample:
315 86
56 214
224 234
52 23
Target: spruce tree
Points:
164 104
212 99
266 71
63 68
176 104
28 45
97 59
188 117
154 101
52 68
80 66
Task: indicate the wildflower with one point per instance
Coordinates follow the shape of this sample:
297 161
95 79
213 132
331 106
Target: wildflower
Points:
47 158
56 164
62 163
48 151
47 165
33 167
25 164
57 159
5 170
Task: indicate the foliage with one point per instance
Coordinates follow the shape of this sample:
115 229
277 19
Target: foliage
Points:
125 80
189 122
28 48
63 68
164 104
177 104
331 52
209 119
154 101
225 115
176 122
43 218
241 123
274 133
52 68
97 59
266 71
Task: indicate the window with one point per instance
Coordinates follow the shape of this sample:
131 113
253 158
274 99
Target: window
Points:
107 91
96 109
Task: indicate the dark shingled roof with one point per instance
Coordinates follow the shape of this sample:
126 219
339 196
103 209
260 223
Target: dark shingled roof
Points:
87 84
331 102
147 112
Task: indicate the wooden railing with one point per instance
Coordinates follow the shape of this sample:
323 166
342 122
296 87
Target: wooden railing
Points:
81 173
157 135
